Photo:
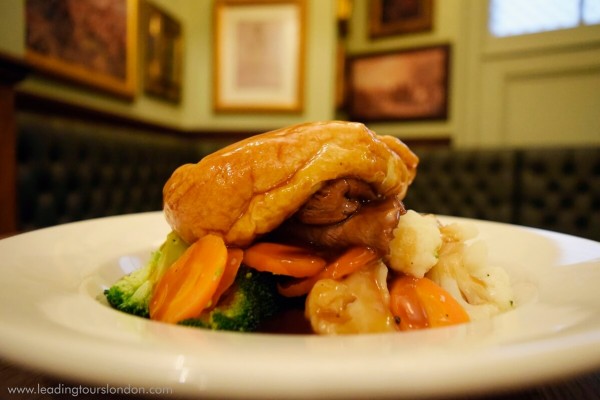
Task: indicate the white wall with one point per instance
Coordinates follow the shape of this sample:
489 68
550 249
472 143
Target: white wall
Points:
531 90
196 110
521 91
534 90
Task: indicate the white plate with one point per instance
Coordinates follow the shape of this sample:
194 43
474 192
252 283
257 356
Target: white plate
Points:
53 318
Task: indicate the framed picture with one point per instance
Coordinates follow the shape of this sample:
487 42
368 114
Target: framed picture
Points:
402 85
163 53
393 17
259 55
90 42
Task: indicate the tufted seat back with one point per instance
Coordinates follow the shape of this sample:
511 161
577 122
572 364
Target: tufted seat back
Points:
560 190
473 184
550 188
70 170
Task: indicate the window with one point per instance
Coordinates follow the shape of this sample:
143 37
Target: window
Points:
591 12
518 17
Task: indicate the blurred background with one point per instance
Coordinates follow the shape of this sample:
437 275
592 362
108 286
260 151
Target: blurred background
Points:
513 65
493 83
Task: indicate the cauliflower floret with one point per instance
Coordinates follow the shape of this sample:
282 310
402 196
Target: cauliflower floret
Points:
357 304
415 245
463 270
458 232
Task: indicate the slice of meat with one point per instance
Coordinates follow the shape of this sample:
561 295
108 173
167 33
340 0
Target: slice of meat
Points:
372 226
335 202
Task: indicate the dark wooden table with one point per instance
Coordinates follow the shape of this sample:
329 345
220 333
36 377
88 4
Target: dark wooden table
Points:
584 387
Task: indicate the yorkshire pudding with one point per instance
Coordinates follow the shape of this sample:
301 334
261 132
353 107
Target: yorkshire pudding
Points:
249 188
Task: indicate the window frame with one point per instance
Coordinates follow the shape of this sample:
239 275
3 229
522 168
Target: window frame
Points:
494 46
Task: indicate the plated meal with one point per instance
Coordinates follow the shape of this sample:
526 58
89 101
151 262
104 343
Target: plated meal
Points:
303 229
55 317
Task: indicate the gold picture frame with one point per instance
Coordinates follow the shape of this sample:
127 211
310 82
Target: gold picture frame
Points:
259 55
395 17
163 53
92 42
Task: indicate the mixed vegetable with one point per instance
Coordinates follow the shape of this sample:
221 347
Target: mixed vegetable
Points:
436 278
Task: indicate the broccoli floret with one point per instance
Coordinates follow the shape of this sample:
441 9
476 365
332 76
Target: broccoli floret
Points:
252 299
132 293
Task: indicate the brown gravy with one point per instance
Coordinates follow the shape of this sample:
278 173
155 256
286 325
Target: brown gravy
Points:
290 321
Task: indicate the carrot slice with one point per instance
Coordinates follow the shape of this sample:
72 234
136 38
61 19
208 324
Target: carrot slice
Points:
405 304
441 308
234 260
297 288
188 286
350 261
283 259
420 303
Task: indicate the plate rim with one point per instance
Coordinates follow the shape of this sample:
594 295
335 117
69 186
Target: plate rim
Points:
65 369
